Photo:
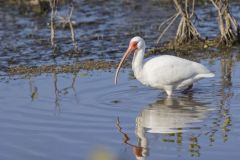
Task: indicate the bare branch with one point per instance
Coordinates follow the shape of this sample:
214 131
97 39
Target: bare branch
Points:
228 26
53 17
166 21
168 26
193 8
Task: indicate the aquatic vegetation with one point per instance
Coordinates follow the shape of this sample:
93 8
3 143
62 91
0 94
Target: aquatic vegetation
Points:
64 21
228 25
188 35
186 31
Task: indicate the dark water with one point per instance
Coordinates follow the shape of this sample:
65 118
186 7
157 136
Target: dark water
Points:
74 116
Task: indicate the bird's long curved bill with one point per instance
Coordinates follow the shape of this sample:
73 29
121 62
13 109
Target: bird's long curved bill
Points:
126 54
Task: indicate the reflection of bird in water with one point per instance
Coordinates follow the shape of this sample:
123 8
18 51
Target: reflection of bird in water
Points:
168 116
138 151
171 115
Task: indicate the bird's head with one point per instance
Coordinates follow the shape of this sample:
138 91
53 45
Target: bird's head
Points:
136 43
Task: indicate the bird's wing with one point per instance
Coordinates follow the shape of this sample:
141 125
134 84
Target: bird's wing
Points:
171 70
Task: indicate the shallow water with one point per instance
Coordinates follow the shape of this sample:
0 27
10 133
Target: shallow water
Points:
79 115
69 116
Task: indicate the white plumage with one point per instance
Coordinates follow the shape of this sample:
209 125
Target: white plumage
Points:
163 72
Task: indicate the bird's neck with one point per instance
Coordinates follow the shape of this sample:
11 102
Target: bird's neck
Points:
137 63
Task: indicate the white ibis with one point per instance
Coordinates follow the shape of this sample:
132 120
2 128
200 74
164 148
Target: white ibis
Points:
164 72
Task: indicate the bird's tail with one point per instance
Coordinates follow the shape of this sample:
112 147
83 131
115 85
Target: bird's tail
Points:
205 75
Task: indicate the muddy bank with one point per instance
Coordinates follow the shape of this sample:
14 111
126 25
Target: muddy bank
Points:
66 68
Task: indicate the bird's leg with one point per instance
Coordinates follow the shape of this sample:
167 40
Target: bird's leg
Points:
187 89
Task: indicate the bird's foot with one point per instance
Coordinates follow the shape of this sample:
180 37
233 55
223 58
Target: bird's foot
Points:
185 91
